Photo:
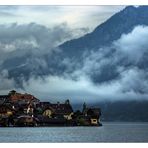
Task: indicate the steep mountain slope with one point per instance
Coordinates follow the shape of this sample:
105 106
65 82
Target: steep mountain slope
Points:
112 29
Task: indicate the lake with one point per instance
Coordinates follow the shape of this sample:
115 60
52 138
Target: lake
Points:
109 132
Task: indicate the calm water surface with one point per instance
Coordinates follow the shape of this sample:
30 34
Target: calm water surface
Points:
109 132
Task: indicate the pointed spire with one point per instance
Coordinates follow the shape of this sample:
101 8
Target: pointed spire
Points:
84 107
67 101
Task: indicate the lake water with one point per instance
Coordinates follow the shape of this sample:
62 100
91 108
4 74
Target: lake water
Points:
109 132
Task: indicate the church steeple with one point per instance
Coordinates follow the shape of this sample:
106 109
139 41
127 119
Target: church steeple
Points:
84 107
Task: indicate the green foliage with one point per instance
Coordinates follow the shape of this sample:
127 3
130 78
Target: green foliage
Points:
82 121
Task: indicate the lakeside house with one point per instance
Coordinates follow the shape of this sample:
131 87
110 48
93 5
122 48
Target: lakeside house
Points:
54 114
4 99
18 109
22 98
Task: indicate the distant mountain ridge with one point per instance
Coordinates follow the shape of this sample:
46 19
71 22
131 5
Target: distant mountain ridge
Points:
131 111
103 35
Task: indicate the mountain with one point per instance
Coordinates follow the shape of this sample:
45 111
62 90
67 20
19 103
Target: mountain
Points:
121 23
34 63
103 36
125 111
131 111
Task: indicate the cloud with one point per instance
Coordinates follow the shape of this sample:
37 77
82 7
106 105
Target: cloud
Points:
130 86
103 74
34 35
133 44
29 41
134 80
109 73
116 72
6 82
74 16
57 88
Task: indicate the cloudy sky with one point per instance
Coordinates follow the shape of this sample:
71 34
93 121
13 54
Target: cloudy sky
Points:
74 16
29 36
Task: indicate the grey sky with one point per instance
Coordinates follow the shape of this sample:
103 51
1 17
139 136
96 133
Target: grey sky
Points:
74 16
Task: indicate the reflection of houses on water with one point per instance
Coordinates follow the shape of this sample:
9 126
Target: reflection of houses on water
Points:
18 109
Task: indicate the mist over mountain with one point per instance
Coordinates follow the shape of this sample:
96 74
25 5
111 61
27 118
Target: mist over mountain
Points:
109 31
121 110
109 63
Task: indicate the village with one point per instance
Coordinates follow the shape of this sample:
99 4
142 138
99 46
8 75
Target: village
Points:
23 110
